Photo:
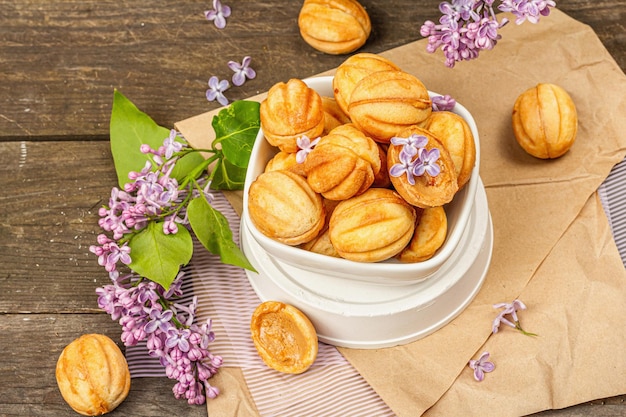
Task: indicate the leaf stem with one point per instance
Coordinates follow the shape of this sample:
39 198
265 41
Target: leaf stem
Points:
195 173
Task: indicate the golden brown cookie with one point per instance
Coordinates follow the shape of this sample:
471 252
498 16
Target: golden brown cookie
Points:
343 164
430 233
334 26
93 375
352 70
427 190
455 134
283 207
291 110
545 121
384 103
373 226
284 337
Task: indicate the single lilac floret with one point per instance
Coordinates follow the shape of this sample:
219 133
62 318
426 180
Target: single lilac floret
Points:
427 163
159 320
481 365
178 339
219 14
216 90
416 141
443 103
171 145
509 309
405 166
306 145
242 71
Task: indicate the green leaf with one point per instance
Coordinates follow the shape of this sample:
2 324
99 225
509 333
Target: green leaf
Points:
158 256
129 129
236 128
228 176
213 231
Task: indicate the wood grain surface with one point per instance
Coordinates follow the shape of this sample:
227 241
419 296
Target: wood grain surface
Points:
60 61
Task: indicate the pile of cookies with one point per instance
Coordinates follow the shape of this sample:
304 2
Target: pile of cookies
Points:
364 175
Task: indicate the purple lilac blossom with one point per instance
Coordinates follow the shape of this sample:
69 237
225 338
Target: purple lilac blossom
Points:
145 312
216 90
468 26
443 103
171 145
405 166
426 161
509 309
481 365
152 195
527 9
242 71
219 14
416 141
305 145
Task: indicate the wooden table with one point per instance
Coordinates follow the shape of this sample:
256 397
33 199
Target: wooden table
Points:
60 61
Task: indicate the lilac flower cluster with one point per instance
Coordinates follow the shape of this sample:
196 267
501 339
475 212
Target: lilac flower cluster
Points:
415 159
147 312
153 194
468 26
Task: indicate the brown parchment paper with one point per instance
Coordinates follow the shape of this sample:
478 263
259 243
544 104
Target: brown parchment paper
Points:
552 245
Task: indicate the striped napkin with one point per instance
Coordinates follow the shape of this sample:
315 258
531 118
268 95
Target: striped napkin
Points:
226 296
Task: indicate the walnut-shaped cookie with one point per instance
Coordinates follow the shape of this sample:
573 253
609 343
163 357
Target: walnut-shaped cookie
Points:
386 102
545 121
373 226
421 169
455 134
430 233
283 207
289 111
92 375
334 26
353 70
343 164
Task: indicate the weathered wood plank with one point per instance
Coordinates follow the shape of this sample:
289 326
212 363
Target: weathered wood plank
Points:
50 196
62 59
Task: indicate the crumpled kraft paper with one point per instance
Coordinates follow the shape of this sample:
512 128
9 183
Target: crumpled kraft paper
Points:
552 246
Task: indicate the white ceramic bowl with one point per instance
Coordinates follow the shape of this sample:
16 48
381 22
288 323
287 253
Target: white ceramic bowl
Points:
390 272
365 315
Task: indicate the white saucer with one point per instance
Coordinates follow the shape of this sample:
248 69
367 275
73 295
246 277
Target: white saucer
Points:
365 315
